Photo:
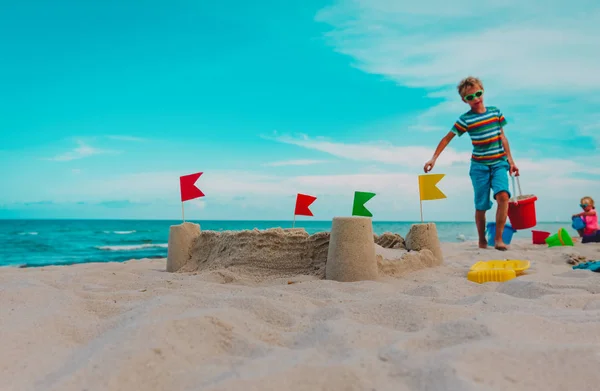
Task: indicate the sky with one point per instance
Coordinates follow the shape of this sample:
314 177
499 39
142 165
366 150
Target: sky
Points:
103 105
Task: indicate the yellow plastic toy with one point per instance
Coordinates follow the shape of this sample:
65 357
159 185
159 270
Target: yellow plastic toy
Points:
497 271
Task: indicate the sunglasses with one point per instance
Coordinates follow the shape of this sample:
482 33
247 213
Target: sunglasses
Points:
583 205
473 96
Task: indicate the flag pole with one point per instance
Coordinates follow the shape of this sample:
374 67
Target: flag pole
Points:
294 221
421 204
182 214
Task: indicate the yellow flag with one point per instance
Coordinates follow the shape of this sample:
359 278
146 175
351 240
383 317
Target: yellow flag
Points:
428 189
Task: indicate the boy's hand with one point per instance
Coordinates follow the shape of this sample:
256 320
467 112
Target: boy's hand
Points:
513 168
429 165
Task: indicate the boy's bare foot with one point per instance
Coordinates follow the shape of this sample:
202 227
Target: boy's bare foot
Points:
500 246
482 243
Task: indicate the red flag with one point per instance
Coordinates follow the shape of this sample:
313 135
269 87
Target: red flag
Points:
303 201
189 191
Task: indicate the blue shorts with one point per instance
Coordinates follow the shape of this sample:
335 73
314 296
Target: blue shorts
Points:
488 177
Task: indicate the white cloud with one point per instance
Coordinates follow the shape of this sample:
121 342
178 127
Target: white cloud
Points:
536 58
411 159
82 151
380 151
557 182
547 45
299 162
389 170
552 180
76 170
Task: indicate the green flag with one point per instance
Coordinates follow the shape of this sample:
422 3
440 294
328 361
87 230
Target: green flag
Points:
360 198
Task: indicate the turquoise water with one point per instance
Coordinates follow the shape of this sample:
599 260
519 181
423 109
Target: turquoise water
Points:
62 242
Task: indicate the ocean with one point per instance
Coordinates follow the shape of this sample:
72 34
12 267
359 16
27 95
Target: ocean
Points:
31 243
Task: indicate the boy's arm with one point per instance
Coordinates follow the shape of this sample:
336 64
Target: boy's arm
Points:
513 166
442 144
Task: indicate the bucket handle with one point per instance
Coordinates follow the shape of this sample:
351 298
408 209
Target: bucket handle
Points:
512 177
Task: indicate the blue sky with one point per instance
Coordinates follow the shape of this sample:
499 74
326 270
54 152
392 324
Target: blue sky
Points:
105 104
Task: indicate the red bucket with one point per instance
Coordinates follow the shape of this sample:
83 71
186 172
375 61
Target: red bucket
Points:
522 213
539 237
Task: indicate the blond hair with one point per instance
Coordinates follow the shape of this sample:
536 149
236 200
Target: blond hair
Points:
591 201
468 82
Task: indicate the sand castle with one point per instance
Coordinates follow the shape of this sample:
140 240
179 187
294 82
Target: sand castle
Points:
261 253
424 236
181 239
350 252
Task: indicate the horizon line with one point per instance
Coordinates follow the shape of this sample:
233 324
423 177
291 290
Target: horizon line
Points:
253 220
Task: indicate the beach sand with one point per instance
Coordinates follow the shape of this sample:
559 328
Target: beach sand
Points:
134 326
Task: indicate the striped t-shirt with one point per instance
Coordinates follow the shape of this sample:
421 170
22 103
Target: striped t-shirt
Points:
484 130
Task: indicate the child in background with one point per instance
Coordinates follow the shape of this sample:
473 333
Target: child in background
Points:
590 218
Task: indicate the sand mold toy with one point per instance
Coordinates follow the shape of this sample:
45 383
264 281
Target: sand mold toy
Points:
497 271
592 265
577 223
561 238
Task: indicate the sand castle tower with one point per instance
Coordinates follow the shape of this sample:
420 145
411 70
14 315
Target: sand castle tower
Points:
181 238
423 236
351 253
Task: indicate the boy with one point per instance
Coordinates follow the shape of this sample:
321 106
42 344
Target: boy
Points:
490 159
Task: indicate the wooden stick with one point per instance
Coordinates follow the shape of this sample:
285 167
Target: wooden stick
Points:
421 204
294 222
182 214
